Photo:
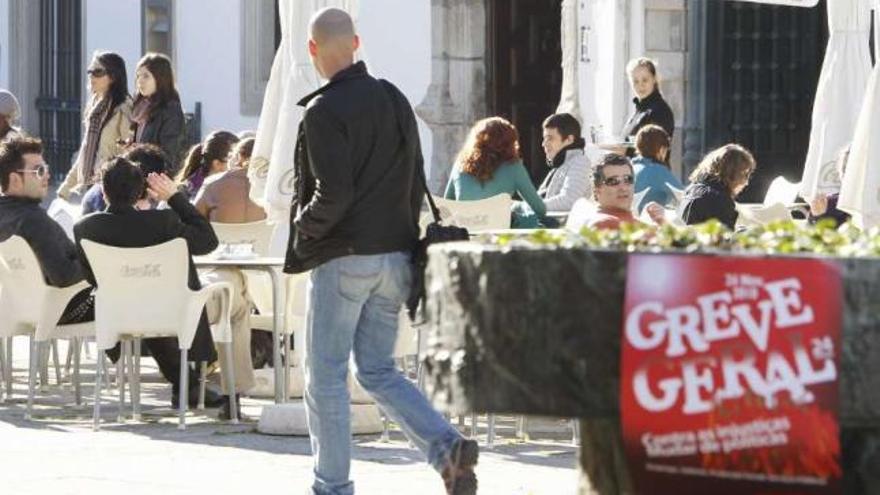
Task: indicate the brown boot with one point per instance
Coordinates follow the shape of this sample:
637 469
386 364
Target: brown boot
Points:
458 475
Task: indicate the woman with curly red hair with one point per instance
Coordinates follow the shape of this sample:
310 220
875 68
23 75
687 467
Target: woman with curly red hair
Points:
489 164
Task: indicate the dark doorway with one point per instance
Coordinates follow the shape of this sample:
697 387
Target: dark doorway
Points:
525 71
61 79
762 67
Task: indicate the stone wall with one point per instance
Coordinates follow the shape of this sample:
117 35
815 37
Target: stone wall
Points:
456 97
666 42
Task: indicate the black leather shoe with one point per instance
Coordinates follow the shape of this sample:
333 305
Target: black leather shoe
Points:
212 398
458 475
225 413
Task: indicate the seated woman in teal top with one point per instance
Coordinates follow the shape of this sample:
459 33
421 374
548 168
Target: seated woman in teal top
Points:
651 169
489 164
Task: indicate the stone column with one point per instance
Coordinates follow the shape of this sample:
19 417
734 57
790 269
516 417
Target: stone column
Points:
666 41
456 97
24 60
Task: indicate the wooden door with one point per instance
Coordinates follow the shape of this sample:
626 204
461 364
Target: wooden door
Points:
525 71
762 67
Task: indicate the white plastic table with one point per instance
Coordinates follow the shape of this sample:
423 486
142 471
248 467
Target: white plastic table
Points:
272 266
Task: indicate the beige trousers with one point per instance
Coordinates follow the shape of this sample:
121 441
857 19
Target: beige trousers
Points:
241 326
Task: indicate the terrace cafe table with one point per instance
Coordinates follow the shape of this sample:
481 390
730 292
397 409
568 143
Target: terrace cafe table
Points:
536 330
272 266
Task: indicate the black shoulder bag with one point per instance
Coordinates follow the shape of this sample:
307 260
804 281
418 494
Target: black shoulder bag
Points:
434 233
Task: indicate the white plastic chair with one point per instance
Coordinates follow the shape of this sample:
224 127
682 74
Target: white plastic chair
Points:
781 191
257 234
677 193
483 214
33 308
580 213
65 214
637 200
143 293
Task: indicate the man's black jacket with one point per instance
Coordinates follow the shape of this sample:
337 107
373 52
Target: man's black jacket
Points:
54 251
356 155
129 228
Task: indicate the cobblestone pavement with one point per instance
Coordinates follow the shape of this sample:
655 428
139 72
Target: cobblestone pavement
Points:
58 453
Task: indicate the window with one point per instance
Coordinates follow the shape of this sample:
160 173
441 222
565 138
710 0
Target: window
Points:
157 26
260 35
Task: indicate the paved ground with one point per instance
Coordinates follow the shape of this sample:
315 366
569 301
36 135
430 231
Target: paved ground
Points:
59 454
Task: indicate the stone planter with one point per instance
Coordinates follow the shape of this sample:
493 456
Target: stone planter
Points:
537 331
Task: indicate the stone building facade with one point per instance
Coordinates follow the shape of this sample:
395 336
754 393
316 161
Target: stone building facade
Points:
730 70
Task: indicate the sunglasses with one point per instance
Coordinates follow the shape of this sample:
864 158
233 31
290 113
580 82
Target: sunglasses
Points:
616 181
41 171
96 72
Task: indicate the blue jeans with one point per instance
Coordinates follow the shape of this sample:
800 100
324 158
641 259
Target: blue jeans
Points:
353 306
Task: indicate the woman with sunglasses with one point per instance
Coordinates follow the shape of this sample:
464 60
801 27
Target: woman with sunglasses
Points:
158 115
106 122
489 164
715 183
613 180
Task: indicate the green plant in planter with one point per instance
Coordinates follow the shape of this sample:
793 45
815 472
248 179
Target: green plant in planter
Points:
783 237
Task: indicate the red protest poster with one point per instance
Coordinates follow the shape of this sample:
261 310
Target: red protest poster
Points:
729 375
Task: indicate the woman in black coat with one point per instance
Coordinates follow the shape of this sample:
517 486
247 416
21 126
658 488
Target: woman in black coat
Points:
157 117
717 180
650 107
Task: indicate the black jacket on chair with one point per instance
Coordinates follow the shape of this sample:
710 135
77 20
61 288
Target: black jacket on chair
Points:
707 199
54 251
129 228
356 187
166 129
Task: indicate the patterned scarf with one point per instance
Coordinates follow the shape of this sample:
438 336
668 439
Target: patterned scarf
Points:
140 114
94 125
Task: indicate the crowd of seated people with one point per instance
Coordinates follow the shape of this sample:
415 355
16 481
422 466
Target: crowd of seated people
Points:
121 175
489 164
132 146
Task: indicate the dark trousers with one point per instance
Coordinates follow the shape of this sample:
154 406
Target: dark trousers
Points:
165 350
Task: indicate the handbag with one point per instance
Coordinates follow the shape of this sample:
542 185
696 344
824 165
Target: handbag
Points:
435 233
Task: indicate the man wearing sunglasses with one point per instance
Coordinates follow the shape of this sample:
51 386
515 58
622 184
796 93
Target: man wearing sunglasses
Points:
24 182
613 180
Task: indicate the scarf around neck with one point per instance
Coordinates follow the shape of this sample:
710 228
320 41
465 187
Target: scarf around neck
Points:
559 159
140 114
94 125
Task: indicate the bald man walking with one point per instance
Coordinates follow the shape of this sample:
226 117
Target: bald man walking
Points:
354 225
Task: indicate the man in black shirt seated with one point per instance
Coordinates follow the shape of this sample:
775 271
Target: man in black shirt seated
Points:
24 183
122 225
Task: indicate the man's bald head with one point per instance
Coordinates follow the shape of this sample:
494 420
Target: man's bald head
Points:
331 25
332 41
